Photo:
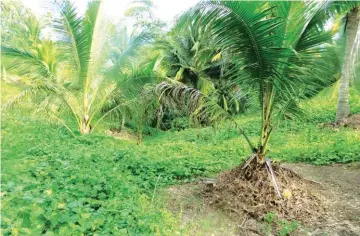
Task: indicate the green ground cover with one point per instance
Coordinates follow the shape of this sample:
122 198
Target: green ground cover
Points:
54 184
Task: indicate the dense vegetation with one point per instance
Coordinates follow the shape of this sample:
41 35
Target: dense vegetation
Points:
176 101
96 183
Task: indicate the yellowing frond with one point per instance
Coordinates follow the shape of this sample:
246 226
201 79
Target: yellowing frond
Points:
216 57
335 27
178 75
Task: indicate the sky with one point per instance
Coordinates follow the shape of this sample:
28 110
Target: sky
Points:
166 10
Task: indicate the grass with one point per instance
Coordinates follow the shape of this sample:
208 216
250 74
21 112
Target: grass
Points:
54 184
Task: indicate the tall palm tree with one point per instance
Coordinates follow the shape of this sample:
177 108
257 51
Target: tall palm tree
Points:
280 53
352 28
74 80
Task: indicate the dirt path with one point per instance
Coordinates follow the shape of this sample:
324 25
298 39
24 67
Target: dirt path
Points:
339 184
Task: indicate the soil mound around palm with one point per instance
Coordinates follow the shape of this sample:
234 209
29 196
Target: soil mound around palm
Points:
352 121
255 194
125 134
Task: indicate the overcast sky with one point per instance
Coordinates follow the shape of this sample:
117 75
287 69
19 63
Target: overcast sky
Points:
165 9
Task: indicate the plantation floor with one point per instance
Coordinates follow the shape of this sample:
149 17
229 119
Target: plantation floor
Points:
108 185
339 184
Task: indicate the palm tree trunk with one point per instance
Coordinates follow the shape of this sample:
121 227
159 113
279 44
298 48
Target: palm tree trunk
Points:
266 125
343 107
122 128
139 132
85 127
159 115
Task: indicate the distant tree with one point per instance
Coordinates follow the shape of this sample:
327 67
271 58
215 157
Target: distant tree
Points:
20 28
141 12
18 24
132 65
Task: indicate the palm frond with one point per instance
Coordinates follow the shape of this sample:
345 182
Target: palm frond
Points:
26 63
199 106
24 94
70 29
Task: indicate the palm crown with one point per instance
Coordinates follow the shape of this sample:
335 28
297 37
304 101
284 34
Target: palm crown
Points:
79 73
277 50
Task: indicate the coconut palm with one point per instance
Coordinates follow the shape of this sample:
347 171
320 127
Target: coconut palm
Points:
129 66
134 98
189 56
71 78
279 50
352 28
19 25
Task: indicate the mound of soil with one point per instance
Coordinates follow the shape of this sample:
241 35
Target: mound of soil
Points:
339 183
352 121
124 135
256 195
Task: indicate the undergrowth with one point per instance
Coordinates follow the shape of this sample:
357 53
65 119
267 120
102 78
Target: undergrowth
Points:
55 184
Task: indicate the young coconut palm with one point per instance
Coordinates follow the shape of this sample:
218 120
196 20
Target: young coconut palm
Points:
189 56
279 50
73 80
126 59
134 98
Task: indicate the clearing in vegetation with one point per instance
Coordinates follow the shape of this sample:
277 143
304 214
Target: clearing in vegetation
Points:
336 185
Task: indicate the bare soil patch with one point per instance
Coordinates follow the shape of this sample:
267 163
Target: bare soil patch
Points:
123 135
337 187
340 184
352 121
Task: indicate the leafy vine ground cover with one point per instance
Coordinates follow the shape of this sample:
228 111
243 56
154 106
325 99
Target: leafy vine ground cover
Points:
54 184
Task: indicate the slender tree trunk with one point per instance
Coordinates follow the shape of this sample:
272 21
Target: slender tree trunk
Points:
122 128
139 132
266 124
85 127
343 107
85 124
266 131
159 115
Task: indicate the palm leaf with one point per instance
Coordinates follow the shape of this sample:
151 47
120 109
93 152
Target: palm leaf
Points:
25 63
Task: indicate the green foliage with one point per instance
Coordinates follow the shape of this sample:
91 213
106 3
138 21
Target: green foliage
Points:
73 187
53 184
278 51
141 13
95 184
180 123
278 226
19 25
317 145
77 74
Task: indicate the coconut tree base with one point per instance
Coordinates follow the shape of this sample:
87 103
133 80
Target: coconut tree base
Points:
352 121
257 190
